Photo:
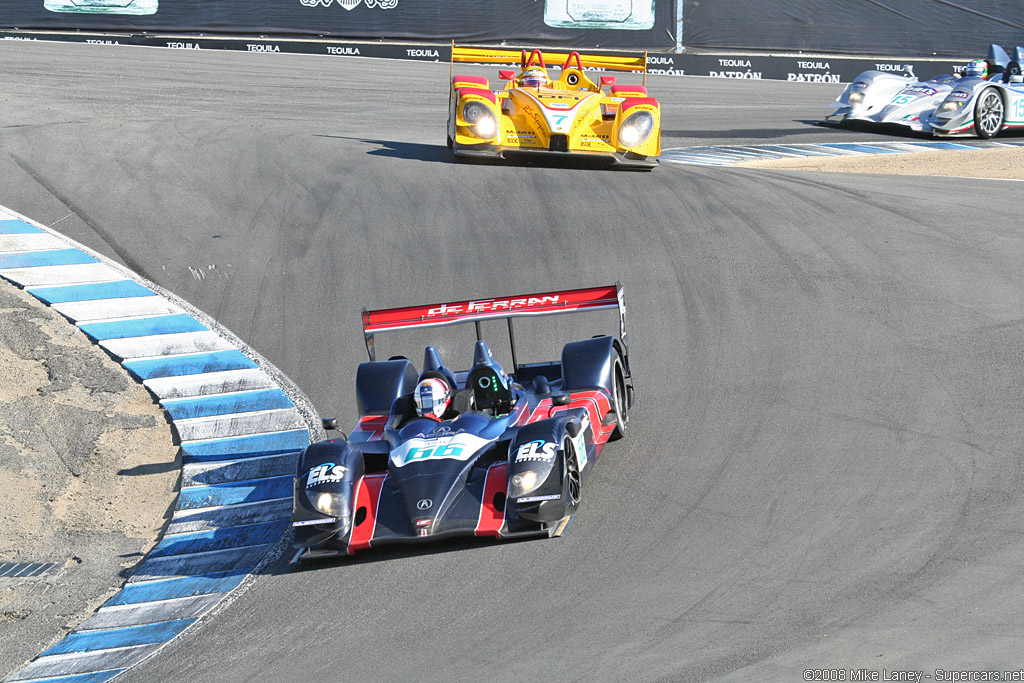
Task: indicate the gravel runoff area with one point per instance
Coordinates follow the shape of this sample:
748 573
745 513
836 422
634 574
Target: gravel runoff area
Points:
88 475
88 466
1007 163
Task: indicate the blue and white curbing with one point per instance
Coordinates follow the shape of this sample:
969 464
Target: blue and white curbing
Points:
240 422
735 154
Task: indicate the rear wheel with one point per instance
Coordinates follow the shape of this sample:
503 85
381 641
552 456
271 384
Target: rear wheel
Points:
988 113
620 399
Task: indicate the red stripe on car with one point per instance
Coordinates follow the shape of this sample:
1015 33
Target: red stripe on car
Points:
631 102
478 80
491 518
629 89
367 496
479 92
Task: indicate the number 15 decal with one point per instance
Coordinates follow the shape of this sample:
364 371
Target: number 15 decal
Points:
1018 108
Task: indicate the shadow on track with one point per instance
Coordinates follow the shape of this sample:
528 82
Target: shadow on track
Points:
441 154
813 128
283 564
402 150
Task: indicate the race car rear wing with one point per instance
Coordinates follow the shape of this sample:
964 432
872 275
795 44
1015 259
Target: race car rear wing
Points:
474 311
490 55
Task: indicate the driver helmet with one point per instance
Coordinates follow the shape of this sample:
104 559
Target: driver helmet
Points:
533 78
977 67
432 397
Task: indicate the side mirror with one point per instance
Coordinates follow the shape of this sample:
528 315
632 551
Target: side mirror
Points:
607 80
330 423
506 75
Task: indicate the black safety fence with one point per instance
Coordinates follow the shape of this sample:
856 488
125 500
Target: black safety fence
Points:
905 28
580 23
921 28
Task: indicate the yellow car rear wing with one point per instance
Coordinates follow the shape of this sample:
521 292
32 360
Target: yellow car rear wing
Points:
491 55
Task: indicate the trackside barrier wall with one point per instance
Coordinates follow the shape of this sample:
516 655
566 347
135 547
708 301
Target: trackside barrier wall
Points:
868 27
240 423
737 65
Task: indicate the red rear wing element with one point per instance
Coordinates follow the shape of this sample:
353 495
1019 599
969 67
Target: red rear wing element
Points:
451 313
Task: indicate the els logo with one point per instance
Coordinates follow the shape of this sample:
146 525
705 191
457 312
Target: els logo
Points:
536 450
325 474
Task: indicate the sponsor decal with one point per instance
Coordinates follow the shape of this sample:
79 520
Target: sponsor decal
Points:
352 4
486 305
331 50
423 53
814 78
325 474
580 442
922 89
262 48
441 430
898 68
325 520
756 75
559 105
96 41
535 499
742 63
667 72
860 85
666 61
183 46
812 65
424 504
959 95
457 447
536 450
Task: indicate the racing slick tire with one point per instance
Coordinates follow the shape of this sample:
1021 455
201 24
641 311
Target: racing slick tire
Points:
989 114
620 399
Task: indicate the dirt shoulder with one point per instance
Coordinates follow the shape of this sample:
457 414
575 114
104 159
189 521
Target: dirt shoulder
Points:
1005 163
88 475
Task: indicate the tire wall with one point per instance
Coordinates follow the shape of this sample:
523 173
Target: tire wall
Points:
921 28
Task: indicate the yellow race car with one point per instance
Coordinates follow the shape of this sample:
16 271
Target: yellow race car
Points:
570 115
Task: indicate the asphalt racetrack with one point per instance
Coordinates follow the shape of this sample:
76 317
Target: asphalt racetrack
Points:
823 468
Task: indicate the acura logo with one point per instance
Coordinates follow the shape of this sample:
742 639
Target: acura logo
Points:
424 504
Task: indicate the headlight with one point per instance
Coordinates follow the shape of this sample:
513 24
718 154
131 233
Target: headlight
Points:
636 128
855 98
523 482
950 106
332 504
480 119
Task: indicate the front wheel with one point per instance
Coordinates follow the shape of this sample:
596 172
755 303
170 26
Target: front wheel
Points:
988 114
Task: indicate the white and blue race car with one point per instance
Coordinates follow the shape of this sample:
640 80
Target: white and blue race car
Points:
983 106
879 98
